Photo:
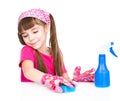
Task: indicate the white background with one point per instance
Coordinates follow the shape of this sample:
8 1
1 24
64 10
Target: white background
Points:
83 26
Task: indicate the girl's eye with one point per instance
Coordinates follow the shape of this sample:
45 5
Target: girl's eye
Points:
35 32
24 36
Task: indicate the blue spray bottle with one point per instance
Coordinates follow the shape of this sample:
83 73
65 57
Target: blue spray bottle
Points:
102 74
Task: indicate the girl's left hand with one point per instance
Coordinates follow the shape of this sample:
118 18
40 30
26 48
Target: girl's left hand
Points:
87 76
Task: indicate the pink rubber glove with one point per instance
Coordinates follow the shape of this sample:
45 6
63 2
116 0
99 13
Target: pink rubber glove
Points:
87 76
53 82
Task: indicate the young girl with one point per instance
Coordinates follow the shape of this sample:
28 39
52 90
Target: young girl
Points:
38 62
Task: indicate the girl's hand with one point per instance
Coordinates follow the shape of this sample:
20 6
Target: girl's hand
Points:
87 76
54 82
74 83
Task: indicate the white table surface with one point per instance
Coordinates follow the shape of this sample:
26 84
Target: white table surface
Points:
13 90
84 92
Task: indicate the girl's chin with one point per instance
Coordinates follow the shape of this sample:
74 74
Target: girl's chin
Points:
35 47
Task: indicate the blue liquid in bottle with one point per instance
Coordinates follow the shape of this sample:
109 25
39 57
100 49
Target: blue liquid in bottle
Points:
102 75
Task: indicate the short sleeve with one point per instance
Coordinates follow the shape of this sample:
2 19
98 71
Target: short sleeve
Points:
27 53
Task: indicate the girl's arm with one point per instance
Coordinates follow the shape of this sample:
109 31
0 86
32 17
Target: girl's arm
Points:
46 79
30 72
35 75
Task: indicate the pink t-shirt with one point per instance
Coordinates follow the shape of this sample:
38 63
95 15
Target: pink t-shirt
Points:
28 53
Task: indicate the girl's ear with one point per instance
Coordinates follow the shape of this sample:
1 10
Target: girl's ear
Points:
47 28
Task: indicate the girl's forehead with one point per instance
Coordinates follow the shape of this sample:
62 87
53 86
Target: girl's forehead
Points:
34 27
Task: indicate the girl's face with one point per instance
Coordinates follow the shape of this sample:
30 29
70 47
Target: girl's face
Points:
36 37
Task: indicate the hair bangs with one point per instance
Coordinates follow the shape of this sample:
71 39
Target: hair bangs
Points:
27 23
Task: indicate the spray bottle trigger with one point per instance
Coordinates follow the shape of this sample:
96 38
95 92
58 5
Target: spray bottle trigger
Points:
111 50
113 53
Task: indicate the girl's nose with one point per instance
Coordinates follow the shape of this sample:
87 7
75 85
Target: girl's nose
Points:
31 37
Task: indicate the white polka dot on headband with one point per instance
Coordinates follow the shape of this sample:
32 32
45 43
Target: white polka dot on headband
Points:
37 13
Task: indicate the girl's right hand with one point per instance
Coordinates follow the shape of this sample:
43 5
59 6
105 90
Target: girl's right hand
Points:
54 82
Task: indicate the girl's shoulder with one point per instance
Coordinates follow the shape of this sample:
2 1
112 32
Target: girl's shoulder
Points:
26 47
27 50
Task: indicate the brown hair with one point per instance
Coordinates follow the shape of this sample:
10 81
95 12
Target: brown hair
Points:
29 22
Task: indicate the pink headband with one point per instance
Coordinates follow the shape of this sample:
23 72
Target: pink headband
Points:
37 13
